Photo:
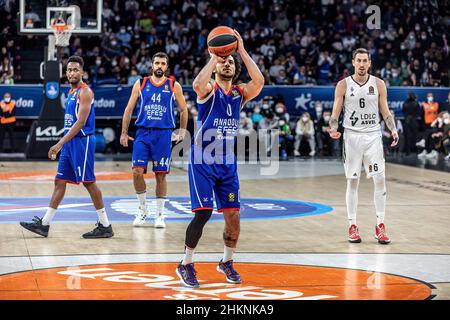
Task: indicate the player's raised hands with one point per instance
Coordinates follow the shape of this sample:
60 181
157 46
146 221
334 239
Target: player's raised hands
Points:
124 137
240 46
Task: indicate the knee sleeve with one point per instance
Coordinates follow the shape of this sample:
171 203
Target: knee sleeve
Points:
195 229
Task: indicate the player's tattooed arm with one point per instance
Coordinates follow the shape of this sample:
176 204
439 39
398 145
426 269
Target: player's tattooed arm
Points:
255 85
124 137
339 94
181 102
384 110
202 82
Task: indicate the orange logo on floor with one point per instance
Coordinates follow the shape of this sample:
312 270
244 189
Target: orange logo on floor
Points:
158 281
50 175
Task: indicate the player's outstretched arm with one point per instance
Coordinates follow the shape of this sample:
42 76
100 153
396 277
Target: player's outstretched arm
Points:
128 112
338 103
181 102
254 87
384 110
202 82
85 97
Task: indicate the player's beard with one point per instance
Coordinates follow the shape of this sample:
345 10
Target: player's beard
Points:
158 73
74 82
362 73
225 76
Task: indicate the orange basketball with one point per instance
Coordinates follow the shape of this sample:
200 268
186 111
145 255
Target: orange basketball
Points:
222 41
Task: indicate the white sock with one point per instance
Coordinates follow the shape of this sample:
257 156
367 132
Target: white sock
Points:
141 197
379 196
160 205
102 217
351 198
188 256
227 253
47 219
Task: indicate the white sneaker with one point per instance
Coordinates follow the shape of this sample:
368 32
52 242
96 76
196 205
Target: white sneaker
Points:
159 222
140 217
432 155
422 154
296 153
312 153
421 143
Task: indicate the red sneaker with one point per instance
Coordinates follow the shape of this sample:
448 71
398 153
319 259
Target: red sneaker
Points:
353 234
380 234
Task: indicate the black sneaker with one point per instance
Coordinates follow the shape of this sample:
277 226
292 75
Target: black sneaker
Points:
36 226
99 232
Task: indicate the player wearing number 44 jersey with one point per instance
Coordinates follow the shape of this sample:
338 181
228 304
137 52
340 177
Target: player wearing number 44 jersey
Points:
155 97
363 98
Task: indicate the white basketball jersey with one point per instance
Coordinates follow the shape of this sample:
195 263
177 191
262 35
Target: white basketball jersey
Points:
361 111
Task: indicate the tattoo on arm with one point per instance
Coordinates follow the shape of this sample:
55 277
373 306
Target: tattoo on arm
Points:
390 123
334 124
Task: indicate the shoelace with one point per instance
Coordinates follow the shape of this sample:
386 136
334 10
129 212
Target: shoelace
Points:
229 270
353 231
37 220
381 232
190 271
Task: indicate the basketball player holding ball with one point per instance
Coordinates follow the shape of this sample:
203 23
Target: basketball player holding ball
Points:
212 164
363 97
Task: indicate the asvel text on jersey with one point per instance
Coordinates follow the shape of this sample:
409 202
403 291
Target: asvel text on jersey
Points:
72 107
156 104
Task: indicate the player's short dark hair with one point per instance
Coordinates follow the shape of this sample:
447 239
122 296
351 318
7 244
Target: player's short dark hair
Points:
238 66
160 55
77 59
360 50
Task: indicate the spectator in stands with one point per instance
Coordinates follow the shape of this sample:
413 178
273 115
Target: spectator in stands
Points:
446 135
434 137
387 137
411 109
305 130
245 124
326 145
256 116
6 71
281 111
285 137
7 120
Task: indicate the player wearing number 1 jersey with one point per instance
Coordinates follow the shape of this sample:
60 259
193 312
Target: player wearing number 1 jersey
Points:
155 97
363 98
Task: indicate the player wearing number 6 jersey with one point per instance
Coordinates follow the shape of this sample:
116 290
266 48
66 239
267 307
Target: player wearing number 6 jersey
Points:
363 98
155 97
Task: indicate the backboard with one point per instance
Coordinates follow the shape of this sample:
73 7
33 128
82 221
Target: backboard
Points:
36 16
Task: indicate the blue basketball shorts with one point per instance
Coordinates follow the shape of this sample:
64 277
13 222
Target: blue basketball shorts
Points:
220 179
76 161
154 145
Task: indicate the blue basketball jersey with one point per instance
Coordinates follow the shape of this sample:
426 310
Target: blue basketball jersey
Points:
218 120
156 105
72 106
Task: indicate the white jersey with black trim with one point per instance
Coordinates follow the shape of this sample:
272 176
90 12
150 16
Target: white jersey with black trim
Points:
361 110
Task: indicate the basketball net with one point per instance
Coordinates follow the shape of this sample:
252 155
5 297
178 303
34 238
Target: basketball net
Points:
62 33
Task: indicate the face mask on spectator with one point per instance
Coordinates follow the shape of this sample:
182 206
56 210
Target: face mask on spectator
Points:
257 110
446 120
305 119
430 99
127 60
243 115
282 123
395 74
279 110
7 99
265 106
122 30
326 118
98 62
114 63
113 43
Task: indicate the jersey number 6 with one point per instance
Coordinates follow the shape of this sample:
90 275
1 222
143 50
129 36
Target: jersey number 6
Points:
362 103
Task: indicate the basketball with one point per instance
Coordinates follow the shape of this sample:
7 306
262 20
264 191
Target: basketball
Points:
222 41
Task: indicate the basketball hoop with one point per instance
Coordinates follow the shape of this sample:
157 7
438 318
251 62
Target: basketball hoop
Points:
62 33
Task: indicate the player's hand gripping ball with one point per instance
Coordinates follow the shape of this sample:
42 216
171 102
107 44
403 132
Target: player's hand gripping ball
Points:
222 41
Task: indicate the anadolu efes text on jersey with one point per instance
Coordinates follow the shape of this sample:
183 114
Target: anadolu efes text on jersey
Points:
156 104
218 120
361 110
72 107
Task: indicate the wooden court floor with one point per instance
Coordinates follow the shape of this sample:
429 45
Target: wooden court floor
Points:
313 247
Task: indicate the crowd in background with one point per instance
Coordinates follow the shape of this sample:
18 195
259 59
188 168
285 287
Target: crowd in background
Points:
305 43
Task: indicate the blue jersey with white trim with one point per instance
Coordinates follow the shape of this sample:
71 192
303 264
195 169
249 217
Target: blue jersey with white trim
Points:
218 120
72 106
156 105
